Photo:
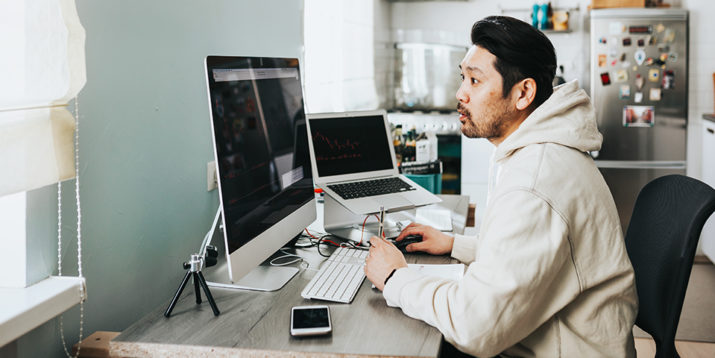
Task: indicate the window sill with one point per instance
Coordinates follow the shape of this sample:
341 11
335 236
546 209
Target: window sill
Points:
24 309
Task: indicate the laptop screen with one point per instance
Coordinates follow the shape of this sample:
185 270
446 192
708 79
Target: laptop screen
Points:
348 145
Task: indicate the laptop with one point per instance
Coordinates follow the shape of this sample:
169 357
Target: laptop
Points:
353 161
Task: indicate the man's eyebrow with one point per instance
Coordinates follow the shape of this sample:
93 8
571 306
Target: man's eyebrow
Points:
472 69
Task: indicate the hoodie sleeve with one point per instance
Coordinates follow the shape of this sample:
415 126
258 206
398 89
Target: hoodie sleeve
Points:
513 286
464 248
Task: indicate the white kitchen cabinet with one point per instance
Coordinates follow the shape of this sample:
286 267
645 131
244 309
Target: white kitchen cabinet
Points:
707 238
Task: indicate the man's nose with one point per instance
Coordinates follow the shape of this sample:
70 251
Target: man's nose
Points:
462 94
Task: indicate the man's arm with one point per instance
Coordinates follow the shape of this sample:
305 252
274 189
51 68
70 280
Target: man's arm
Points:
512 287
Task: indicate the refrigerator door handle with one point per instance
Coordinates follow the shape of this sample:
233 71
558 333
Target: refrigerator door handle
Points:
640 164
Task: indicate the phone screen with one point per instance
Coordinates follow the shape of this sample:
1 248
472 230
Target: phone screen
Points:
310 318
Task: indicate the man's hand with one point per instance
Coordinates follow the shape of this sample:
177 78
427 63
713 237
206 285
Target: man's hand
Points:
434 241
383 258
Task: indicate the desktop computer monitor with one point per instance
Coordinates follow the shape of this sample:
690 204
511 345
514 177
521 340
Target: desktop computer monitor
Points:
264 173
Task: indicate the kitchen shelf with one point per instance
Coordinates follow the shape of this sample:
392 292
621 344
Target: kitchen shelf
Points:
549 31
529 10
525 9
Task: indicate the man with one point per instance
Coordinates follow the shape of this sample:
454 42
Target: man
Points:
548 274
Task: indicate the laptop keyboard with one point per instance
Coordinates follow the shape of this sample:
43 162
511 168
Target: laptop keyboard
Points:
374 187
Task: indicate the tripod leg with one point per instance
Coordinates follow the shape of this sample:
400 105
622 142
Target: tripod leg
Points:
178 293
208 293
196 288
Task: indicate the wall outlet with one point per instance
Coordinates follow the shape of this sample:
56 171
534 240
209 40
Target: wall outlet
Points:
211 179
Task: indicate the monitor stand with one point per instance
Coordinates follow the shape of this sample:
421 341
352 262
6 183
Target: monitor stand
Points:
341 222
261 278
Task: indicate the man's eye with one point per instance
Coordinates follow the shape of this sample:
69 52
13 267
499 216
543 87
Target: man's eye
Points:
474 81
461 76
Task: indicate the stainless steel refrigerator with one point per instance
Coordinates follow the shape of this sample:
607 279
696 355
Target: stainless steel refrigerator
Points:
639 83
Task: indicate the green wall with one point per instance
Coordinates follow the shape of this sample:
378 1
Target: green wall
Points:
145 139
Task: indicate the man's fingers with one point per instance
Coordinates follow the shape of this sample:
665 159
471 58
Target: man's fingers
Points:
409 231
417 246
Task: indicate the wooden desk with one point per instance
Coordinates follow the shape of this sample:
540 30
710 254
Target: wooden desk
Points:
257 323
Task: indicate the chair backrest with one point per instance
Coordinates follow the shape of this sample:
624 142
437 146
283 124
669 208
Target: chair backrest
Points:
662 236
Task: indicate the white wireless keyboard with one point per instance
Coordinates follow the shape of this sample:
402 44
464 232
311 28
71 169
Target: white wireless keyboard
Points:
339 278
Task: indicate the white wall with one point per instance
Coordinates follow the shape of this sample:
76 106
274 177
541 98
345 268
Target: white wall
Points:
339 53
700 85
700 80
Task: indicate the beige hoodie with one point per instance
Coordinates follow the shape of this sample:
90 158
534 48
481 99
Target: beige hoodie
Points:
548 274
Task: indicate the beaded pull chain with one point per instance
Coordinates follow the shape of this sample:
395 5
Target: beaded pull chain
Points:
79 235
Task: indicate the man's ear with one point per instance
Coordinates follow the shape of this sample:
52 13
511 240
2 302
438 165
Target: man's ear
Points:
525 92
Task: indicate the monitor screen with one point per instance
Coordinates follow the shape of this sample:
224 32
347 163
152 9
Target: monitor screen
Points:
260 141
352 144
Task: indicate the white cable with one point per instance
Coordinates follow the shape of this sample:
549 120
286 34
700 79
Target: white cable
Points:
59 229
210 234
285 255
79 235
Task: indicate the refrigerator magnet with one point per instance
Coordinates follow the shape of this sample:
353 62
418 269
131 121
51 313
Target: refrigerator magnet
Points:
655 94
639 56
602 60
614 62
602 40
625 64
624 92
605 79
663 57
613 47
668 81
616 28
623 57
626 41
659 28
638 98
639 81
641 42
638 116
649 61
654 74
621 76
673 57
669 35
652 40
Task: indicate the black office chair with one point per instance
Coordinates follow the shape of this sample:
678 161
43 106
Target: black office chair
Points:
662 236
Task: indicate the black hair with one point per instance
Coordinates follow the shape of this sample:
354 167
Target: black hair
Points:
521 52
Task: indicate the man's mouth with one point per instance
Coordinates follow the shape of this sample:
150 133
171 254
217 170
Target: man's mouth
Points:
463 113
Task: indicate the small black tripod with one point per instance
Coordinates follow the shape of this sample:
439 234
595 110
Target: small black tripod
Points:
194 266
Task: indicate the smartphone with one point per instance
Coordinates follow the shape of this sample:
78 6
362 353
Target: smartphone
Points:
310 321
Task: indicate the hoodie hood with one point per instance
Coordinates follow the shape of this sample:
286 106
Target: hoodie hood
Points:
566 118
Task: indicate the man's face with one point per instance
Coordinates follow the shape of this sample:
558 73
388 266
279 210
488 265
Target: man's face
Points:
484 113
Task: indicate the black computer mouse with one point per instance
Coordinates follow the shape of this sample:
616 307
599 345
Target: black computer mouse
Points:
409 239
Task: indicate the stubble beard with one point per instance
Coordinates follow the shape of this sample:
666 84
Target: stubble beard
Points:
493 124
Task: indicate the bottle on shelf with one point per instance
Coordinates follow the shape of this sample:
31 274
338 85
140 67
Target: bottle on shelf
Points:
398 143
410 146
